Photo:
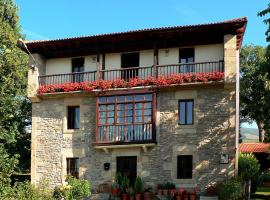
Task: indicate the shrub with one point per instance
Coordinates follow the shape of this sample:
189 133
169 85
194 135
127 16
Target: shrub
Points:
231 189
266 176
76 189
124 184
139 185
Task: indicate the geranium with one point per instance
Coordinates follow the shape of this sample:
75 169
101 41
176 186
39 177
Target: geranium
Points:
160 81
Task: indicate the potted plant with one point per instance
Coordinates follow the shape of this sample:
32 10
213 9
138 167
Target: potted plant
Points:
185 195
147 195
139 187
179 194
124 187
115 189
131 193
165 190
172 189
192 195
159 189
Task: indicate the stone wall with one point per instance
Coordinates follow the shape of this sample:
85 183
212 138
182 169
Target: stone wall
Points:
213 132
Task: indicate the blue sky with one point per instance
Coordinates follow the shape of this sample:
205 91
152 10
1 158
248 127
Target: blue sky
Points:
50 19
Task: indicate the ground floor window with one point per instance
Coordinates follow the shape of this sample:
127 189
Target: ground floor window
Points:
184 166
73 167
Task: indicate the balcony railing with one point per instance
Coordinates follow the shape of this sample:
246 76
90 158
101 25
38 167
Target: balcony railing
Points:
128 73
125 133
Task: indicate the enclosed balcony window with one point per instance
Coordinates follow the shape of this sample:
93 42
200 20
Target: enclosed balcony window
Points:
125 118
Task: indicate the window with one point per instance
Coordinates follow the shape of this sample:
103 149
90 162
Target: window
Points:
77 67
186 55
184 167
186 112
73 167
73 117
125 118
129 60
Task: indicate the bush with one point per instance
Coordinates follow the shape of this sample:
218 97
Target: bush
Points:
76 189
249 169
231 189
26 191
266 176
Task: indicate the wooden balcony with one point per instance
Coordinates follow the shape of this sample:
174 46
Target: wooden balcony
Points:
140 133
128 73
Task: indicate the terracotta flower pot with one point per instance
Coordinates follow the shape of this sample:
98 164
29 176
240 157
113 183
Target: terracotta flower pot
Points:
138 196
179 197
185 196
165 192
131 197
159 192
192 196
147 196
115 192
124 196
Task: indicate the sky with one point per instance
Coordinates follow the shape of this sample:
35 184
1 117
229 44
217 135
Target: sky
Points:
51 19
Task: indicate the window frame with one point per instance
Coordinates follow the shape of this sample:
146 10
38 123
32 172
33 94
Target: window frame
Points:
134 101
186 109
177 168
76 170
71 126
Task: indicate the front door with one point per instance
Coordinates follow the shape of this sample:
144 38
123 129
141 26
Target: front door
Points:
127 166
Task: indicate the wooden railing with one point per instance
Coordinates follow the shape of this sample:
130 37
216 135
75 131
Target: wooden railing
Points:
125 133
127 73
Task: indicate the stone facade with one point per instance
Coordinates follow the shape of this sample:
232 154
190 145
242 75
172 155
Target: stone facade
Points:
211 134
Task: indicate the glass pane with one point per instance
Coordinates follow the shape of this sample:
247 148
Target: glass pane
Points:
120 120
138 105
129 119
148 105
129 106
102 99
77 118
147 118
129 98
102 108
182 112
120 113
102 120
138 119
111 114
111 99
110 107
138 112
120 106
120 98
129 112
190 112
139 97
102 114
148 97
110 120
148 112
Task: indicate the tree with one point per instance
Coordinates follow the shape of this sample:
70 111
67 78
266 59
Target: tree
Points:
254 91
14 106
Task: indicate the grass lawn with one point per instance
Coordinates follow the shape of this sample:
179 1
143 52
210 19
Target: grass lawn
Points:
263 190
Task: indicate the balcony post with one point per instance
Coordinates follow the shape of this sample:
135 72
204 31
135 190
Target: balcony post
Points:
155 61
98 65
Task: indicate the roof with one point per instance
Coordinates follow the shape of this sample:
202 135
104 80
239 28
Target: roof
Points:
142 39
254 147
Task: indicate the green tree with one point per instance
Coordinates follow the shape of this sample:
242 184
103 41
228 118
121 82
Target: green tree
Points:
254 90
14 106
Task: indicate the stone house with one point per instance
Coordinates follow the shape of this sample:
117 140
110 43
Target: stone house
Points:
160 103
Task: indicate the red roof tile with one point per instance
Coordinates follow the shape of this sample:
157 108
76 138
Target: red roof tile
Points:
254 147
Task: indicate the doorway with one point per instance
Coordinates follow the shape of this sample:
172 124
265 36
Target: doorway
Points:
127 166
129 60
